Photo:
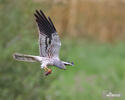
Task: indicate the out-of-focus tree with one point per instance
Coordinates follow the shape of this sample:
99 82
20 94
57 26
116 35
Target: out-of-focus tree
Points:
100 19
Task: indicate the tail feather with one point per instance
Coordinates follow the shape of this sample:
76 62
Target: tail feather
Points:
26 58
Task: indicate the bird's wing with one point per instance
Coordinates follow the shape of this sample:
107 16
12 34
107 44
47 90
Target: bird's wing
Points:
27 58
49 42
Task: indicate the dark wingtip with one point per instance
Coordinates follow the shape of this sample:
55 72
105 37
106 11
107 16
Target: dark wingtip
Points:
37 11
72 63
35 15
44 24
51 23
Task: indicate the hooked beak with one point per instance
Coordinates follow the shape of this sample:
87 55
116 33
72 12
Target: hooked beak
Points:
62 67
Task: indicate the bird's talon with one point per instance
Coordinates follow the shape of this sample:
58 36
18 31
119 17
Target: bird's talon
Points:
47 71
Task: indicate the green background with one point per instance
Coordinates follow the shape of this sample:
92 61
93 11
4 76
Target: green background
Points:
99 67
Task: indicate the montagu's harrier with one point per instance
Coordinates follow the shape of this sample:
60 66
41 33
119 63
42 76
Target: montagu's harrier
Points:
49 45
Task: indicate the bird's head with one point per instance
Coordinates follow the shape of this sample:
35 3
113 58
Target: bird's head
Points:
59 64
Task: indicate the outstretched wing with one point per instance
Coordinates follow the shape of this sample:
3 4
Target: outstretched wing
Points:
49 42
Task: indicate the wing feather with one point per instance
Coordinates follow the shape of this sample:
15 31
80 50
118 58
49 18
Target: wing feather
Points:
49 42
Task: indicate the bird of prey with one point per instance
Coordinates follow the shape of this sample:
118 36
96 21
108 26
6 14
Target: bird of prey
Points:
49 45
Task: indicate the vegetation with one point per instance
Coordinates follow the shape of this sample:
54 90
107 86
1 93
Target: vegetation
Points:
99 67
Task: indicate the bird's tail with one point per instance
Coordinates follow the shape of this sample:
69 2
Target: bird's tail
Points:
26 58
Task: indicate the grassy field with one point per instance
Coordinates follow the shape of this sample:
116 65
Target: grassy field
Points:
99 67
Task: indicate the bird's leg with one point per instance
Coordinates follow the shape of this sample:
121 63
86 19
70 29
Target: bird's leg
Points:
47 70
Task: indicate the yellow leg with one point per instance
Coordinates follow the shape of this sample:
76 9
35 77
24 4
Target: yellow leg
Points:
47 71
46 68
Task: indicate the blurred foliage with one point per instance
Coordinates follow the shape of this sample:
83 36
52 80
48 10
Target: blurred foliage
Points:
102 20
98 67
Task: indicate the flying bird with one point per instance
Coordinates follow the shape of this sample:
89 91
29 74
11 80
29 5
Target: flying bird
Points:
49 45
